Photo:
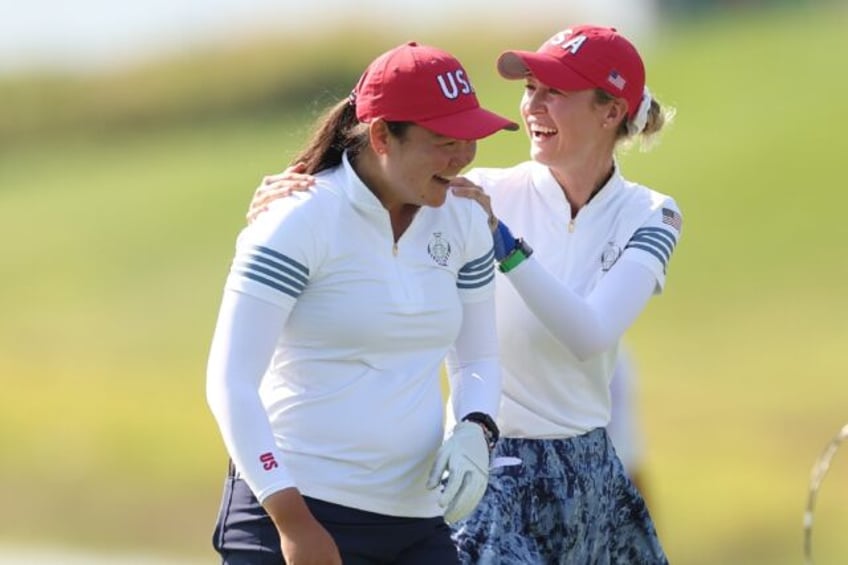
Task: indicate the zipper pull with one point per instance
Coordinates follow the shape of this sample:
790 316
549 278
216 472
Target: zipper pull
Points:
394 249
571 225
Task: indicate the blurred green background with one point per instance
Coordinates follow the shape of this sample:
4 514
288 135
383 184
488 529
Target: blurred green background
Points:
121 194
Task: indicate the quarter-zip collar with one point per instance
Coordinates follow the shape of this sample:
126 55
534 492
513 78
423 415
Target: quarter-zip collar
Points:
359 194
552 193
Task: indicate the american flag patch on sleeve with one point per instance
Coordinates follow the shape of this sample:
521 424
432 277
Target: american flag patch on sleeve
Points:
672 218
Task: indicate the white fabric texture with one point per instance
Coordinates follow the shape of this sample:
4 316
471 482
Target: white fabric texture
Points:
244 340
640 120
625 428
595 322
561 313
350 400
472 361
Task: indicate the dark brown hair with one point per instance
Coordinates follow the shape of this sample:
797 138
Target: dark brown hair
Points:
336 131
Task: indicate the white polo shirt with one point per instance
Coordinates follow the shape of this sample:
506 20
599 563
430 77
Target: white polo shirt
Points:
353 390
548 392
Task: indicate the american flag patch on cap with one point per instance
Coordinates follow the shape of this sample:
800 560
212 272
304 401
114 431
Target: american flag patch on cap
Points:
616 80
672 218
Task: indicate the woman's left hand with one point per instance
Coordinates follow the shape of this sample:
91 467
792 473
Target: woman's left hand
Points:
461 186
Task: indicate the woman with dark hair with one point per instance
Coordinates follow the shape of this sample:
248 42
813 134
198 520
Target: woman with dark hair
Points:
338 310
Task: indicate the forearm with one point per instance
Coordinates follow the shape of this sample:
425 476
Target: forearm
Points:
244 341
302 538
247 436
473 365
585 325
287 509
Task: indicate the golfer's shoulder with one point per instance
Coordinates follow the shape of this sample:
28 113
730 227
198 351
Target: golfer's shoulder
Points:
493 177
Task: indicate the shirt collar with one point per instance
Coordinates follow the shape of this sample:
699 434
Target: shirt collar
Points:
552 193
358 193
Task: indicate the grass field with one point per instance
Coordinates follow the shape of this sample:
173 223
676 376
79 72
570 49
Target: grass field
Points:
116 244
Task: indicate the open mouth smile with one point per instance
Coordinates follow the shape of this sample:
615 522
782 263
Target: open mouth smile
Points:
541 132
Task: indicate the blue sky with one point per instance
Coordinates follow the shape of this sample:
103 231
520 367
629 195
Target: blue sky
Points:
86 34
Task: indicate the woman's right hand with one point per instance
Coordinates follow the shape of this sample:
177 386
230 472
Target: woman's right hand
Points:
277 186
461 186
303 540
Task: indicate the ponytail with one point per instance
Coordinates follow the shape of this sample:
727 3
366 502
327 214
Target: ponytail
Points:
658 117
336 131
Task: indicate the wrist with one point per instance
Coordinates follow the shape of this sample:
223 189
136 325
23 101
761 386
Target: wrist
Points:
287 509
490 428
503 240
519 253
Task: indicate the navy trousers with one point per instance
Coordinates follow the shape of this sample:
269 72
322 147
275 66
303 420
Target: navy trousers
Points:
245 535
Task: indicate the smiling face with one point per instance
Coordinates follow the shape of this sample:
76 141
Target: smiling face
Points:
567 127
419 164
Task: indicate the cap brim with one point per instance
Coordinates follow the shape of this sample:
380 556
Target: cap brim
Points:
548 70
475 123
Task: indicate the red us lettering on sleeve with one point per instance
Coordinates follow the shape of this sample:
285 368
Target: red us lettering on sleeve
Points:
268 461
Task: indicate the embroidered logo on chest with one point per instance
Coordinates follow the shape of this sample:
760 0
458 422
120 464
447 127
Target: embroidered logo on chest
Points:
439 249
610 255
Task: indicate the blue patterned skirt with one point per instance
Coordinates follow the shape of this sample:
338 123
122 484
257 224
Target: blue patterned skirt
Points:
568 501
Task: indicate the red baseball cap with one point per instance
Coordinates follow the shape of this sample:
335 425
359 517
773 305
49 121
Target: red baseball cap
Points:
581 58
426 86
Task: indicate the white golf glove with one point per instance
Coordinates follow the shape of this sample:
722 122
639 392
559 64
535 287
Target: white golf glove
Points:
465 458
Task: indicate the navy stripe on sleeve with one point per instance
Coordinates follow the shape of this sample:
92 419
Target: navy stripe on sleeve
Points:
659 242
478 272
273 269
